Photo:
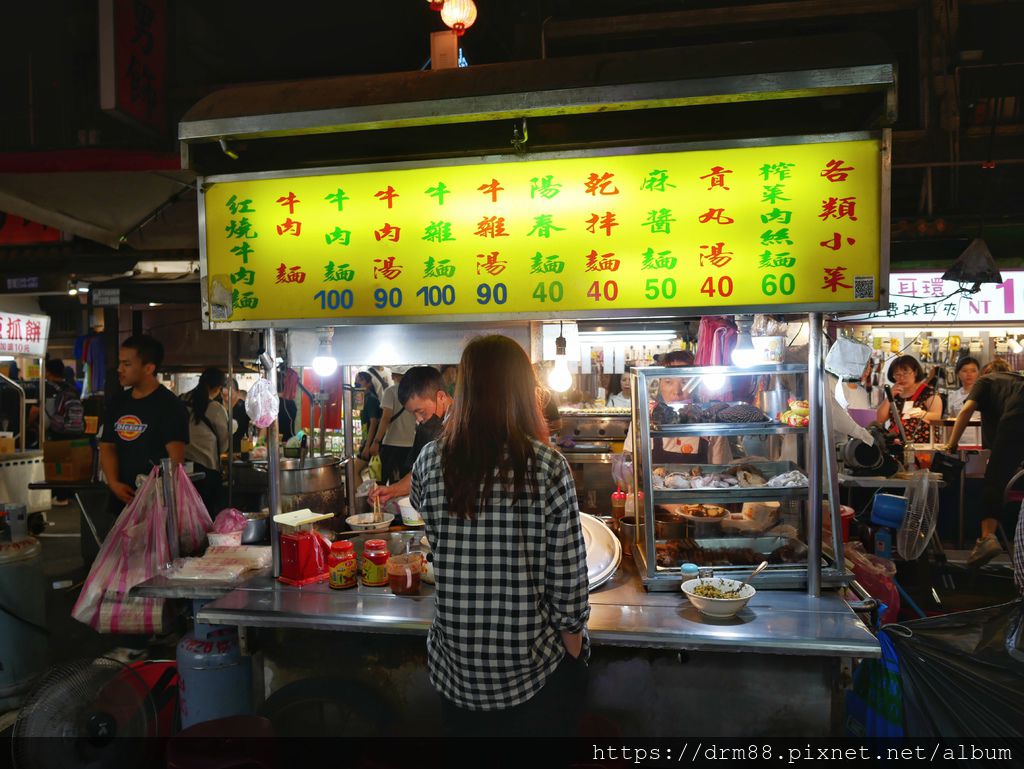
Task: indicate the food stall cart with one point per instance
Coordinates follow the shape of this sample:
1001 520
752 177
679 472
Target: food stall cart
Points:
420 251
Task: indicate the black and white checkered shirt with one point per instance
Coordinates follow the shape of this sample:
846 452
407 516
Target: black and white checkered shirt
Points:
507 582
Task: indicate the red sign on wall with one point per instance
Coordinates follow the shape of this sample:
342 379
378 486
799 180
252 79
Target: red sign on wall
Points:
133 61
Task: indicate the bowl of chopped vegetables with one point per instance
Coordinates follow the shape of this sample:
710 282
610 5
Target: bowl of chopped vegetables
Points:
717 596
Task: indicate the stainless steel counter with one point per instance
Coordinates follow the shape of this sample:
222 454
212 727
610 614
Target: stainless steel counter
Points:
161 586
622 614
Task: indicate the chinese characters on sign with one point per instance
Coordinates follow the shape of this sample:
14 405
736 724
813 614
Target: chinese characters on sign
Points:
24 334
918 297
753 226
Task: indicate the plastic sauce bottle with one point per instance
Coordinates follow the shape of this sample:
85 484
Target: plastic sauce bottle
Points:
618 503
375 563
342 566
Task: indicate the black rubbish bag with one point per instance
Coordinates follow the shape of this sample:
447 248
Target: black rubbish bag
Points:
963 673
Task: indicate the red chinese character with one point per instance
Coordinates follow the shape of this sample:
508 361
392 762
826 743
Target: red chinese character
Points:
491 189
837 208
290 274
600 184
389 232
834 277
491 264
491 227
602 263
835 171
14 328
387 268
289 200
836 242
717 177
717 215
33 331
388 194
717 255
288 225
605 222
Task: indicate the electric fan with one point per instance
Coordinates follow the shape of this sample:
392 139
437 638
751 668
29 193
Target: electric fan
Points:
85 714
919 523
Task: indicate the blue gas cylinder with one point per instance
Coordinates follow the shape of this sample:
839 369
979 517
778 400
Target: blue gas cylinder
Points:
214 678
23 633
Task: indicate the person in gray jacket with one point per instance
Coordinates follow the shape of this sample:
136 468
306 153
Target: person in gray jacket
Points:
209 430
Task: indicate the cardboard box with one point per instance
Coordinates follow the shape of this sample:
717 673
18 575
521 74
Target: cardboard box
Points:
68 460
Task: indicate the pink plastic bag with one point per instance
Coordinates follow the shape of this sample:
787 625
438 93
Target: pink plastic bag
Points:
261 404
229 520
193 519
135 550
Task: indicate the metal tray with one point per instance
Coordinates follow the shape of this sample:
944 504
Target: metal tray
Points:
768 469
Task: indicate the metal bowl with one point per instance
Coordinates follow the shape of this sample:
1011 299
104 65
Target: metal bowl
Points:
257 528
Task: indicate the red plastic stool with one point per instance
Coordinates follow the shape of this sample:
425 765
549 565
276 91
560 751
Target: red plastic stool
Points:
225 743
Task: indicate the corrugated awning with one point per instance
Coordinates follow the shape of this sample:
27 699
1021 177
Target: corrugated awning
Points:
140 199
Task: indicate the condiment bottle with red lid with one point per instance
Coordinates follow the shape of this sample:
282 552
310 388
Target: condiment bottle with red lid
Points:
375 563
342 565
618 503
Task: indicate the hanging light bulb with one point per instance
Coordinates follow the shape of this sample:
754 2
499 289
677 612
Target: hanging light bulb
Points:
325 364
559 378
713 382
459 15
743 354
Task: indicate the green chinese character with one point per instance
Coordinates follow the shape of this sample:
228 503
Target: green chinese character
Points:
243 276
656 181
663 260
342 272
241 229
339 235
540 264
776 237
772 194
542 226
438 192
544 186
442 268
240 206
779 170
243 250
338 198
438 232
660 221
782 217
246 301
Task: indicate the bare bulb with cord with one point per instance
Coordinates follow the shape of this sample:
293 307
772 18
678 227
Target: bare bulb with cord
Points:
713 382
324 366
559 378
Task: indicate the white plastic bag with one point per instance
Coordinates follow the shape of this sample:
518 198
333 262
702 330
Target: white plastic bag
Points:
261 404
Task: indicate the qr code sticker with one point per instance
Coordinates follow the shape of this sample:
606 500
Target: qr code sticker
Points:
864 287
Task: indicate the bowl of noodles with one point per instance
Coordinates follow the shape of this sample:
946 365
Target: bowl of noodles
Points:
717 596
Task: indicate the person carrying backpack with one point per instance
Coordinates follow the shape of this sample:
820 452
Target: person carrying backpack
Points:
209 430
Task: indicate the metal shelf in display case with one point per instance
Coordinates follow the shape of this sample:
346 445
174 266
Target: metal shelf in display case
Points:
782 448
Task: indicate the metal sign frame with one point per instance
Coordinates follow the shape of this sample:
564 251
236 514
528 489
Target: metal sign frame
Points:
885 169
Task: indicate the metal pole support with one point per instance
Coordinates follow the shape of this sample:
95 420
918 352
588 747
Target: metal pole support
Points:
814 455
273 455
167 469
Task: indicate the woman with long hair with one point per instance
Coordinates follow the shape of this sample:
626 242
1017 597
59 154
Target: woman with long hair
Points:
209 430
508 647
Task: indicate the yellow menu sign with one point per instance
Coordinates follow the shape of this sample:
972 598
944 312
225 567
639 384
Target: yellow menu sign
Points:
762 227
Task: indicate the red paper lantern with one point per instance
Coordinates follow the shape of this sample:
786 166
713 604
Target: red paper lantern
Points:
459 15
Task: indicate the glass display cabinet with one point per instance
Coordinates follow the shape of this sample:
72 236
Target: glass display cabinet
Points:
721 465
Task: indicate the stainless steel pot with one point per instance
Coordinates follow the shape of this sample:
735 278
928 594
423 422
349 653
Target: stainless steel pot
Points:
317 483
257 529
627 534
303 476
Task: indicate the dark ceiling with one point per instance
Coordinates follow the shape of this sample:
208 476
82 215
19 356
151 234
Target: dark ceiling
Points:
960 75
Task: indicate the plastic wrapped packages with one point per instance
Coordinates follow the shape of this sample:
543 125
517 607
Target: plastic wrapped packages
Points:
222 563
261 404
229 520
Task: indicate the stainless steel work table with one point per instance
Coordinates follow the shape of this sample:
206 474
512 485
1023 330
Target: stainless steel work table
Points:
622 614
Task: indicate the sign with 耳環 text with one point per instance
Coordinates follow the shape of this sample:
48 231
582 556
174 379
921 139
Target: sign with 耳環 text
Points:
924 297
763 227
24 334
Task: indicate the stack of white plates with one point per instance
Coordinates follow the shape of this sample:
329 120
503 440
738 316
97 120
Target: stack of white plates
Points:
604 551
